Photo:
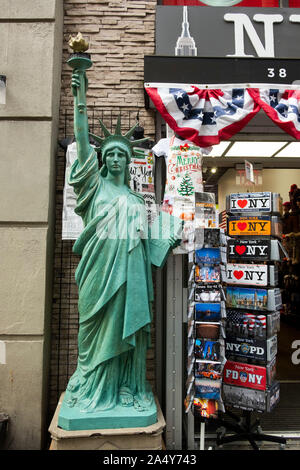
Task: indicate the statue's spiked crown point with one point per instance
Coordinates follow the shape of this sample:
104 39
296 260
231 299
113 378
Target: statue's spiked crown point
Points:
109 140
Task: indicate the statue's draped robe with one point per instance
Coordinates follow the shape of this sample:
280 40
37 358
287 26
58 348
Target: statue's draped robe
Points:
115 292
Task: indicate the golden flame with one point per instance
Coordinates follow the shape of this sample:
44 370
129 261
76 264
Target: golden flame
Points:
78 44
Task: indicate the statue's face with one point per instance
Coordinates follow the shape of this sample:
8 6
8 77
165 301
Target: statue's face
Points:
116 161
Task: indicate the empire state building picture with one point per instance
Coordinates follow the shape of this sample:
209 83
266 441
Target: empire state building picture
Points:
185 45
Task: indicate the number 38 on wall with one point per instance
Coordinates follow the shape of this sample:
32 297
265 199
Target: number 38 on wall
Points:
277 73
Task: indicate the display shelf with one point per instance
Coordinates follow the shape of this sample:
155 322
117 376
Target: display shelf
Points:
253 303
205 329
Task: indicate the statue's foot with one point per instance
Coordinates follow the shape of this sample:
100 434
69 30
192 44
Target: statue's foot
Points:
71 402
125 397
141 404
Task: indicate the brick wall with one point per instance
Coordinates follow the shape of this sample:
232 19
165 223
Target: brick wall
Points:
120 33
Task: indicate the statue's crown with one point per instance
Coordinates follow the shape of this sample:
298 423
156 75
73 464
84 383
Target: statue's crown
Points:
110 140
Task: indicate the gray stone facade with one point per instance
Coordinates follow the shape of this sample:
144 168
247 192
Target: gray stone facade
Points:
30 57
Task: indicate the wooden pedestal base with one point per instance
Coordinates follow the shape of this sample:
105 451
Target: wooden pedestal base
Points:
147 438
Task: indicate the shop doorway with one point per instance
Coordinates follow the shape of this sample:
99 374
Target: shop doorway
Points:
285 418
286 415
272 174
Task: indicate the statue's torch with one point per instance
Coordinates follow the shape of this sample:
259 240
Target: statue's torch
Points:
80 61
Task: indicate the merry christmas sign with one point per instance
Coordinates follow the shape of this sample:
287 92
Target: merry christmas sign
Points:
184 171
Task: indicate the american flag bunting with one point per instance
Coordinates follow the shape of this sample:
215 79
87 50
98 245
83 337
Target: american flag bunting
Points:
208 116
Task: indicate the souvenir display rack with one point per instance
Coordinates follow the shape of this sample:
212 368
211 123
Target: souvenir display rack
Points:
252 303
205 347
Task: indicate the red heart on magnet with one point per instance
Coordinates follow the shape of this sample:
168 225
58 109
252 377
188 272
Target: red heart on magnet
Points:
238 274
242 225
242 203
240 249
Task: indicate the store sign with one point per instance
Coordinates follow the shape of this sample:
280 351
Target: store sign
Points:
239 226
246 274
245 375
218 70
249 172
237 32
250 250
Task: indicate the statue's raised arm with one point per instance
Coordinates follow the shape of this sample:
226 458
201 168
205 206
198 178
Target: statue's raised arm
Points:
80 61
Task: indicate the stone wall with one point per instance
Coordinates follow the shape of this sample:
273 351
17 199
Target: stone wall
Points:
30 57
120 33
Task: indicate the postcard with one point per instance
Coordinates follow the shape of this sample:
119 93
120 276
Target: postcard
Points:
205 408
207 256
207 294
208 370
208 312
208 330
207 349
207 389
207 274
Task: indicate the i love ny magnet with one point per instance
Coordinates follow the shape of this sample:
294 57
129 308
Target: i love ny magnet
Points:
249 226
261 202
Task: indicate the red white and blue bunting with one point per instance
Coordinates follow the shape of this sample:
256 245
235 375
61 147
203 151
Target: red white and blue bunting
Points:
208 116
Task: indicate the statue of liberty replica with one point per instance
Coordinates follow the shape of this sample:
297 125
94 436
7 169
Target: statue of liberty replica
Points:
114 278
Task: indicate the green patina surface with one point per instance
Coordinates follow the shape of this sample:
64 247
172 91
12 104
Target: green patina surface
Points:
109 387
